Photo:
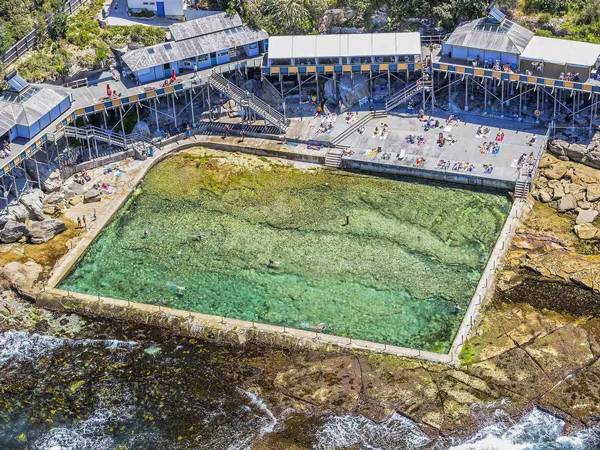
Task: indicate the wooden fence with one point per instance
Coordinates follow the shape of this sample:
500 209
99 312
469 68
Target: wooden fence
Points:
17 50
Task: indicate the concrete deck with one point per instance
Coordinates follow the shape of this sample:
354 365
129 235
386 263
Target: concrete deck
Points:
465 150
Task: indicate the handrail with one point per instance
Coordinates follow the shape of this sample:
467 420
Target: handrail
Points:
76 83
248 99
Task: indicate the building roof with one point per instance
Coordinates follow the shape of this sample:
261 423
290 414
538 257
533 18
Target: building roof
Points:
342 45
489 34
144 58
29 106
562 51
204 25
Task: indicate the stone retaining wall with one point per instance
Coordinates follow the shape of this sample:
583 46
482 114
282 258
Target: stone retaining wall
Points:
447 177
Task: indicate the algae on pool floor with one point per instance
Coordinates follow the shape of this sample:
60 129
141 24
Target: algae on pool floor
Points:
391 276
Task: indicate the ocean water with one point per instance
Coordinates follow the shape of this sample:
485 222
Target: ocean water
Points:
91 394
200 233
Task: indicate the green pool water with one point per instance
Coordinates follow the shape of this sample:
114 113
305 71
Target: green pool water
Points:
391 276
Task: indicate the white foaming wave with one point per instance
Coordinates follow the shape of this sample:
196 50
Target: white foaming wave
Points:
18 346
397 432
84 435
271 421
536 430
267 422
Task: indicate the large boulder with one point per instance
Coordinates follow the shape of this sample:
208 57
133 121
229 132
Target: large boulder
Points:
558 192
22 275
33 201
16 212
142 128
73 189
49 177
586 216
593 192
331 93
555 172
12 232
567 203
352 90
545 197
53 198
586 231
576 152
558 146
92 196
593 159
40 232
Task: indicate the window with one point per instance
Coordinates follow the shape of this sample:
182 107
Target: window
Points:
168 46
166 66
150 50
202 58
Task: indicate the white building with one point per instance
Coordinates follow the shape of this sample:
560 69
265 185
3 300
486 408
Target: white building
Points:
165 8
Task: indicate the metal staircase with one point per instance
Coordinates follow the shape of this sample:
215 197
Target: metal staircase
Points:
248 100
522 188
102 135
394 100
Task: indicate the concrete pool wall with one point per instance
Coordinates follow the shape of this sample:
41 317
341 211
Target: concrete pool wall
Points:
238 331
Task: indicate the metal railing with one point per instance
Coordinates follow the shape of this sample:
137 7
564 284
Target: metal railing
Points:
246 99
434 39
76 83
27 42
406 94
110 137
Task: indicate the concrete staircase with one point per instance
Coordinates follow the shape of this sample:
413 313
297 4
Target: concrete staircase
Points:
333 159
356 125
248 100
522 188
394 100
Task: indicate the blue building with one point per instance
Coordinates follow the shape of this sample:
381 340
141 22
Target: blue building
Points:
205 42
25 110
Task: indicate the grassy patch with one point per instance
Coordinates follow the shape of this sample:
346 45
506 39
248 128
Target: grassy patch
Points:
466 354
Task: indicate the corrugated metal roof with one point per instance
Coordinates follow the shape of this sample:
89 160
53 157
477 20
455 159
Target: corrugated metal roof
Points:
344 45
489 34
144 58
32 109
562 51
205 25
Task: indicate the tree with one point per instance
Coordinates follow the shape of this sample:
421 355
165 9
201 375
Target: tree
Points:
58 29
296 15
62 61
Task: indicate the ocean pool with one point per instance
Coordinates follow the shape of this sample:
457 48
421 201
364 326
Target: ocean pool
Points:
211 222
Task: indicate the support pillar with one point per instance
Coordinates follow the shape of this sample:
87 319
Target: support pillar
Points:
281 90
156 113
502 98
122 124
484 96
192 108
174 113
466 93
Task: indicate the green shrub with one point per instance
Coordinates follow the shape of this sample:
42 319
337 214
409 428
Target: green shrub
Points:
142 13
547 6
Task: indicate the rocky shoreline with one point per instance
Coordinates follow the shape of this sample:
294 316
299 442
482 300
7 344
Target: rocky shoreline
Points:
538 343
